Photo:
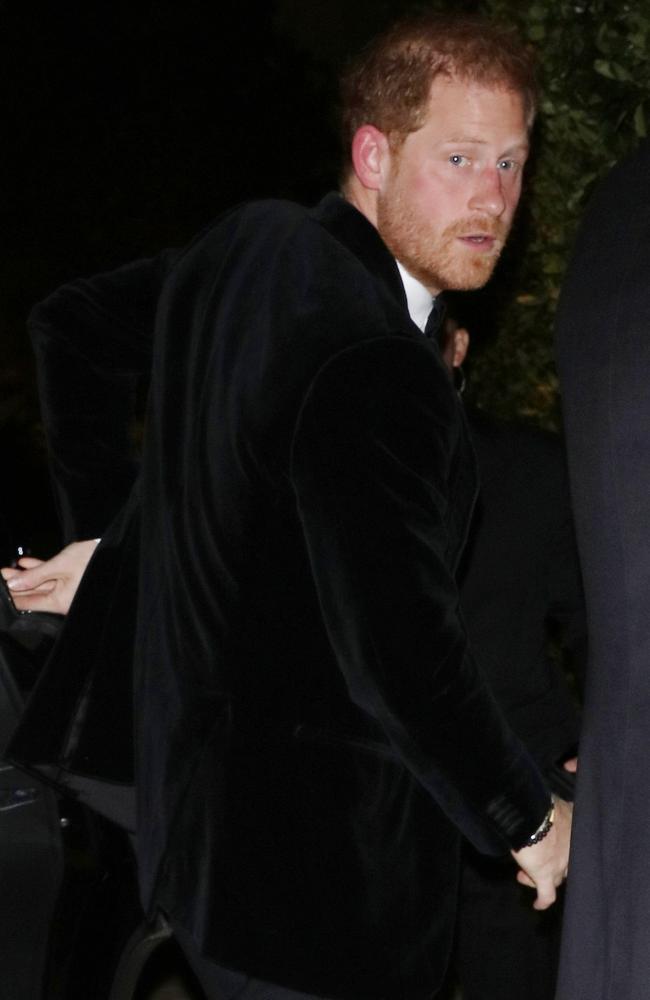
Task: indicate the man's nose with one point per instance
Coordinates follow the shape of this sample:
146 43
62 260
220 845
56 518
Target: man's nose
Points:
488 196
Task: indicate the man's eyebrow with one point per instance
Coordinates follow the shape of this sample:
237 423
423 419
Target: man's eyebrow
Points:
475 141
517 147
466 138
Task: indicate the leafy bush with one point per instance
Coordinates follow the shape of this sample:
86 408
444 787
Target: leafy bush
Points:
595 76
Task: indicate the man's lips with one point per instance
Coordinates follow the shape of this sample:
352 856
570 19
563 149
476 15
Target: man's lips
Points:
482 241
480 236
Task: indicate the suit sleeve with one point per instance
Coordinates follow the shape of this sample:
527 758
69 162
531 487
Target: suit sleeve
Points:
93 343
371 463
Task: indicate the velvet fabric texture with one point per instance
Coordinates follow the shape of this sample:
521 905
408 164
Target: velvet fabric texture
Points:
312 734
604 357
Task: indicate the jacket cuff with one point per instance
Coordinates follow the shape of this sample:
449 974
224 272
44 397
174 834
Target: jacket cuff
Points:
519 813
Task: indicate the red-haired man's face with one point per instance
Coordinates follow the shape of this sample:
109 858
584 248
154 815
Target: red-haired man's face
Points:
449 192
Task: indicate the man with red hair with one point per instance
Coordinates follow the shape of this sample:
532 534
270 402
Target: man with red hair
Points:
313 736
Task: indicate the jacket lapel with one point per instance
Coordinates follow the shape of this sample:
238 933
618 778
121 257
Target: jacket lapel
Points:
351 228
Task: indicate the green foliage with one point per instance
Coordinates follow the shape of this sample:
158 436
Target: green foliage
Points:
595 76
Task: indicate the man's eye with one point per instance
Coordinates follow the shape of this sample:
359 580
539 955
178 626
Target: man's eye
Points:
458 160
507 165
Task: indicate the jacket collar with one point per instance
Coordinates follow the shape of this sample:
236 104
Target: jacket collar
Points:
351 228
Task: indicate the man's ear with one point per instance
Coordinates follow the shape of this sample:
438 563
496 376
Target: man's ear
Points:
370 156
461 346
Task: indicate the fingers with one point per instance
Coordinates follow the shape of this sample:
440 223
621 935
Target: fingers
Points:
43 597
50 585
51 595
29 562
525 879
42 588
546 895
546 888
29 579
571 765
25 562
45 600
37 587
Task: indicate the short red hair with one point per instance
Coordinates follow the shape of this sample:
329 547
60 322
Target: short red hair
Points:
388 84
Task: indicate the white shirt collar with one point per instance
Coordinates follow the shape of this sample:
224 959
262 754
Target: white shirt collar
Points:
418 298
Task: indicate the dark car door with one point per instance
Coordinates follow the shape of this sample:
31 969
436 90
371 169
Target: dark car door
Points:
31 857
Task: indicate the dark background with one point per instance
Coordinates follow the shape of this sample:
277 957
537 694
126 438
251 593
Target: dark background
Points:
127 127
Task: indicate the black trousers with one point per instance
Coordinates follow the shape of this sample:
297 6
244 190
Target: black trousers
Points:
223 984
504 949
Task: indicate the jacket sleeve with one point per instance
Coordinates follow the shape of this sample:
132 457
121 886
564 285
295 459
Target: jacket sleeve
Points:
93 344
372 456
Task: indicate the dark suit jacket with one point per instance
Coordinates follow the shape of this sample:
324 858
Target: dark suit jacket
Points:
604 358
520 584
312 731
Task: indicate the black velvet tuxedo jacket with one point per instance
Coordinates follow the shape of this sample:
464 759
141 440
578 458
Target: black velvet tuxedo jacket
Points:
603 344
312 734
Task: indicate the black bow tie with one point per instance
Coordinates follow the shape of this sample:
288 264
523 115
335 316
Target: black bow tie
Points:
435 319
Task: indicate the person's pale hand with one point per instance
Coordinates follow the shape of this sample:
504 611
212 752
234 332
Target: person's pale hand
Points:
50 585
544 866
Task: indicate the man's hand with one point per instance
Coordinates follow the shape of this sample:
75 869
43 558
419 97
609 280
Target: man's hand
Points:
49 586
544 866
